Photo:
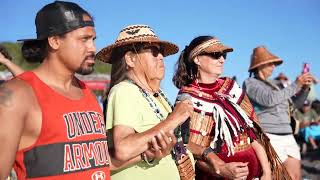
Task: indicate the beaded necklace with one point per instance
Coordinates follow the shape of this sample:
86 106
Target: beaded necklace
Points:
151 102
178 148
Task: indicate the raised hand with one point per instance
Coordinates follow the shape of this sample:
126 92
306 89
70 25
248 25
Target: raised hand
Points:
4 55
305 79
182 111
3 59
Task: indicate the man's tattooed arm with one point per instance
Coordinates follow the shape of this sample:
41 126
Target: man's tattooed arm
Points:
5 95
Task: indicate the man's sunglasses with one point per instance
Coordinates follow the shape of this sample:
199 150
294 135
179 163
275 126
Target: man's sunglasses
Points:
216 55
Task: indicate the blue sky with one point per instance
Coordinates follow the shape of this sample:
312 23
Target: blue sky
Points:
289 28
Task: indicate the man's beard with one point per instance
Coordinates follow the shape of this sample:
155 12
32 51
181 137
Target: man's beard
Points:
85 69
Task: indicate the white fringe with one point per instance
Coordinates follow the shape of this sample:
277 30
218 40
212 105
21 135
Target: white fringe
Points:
220 115
243 114
224 133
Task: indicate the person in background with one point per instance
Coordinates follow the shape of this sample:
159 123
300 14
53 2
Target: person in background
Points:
309 124
140 119
283 80
222 132
272 105
6 60
316 106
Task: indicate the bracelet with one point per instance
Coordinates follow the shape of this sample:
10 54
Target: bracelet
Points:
205 158
145 159
206 152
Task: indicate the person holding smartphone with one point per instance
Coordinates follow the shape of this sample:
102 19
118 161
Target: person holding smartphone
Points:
272 104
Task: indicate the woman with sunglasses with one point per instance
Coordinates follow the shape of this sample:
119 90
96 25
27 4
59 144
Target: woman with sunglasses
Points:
272 104
139 118
222 132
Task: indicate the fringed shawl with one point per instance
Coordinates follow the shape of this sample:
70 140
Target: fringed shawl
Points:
232 111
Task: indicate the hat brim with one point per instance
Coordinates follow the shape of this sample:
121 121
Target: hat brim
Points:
218 48
169 48
276 61
24 40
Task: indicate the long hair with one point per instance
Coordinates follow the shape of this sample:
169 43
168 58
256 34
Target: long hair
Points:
119 66
186 70
119 71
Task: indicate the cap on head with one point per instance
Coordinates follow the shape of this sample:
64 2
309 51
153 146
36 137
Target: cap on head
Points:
138 33
59 18
261 56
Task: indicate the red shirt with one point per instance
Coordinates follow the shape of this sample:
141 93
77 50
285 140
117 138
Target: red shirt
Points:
72 143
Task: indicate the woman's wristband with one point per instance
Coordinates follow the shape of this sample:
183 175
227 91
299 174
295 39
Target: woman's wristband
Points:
206 152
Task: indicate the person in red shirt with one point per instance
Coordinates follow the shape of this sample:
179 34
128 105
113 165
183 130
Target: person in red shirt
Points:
52 125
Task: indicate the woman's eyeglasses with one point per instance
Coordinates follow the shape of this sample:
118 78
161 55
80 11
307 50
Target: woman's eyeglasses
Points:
216 55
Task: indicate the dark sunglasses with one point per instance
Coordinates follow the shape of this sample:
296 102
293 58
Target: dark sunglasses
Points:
155 51
216 55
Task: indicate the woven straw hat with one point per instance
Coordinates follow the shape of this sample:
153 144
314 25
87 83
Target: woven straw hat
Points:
136 34
217 46
210 46
261 56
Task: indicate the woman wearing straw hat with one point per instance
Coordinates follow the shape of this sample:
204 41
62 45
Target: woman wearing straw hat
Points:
272 105
138 114
223 135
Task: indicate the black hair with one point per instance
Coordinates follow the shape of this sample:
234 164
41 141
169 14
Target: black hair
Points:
35 51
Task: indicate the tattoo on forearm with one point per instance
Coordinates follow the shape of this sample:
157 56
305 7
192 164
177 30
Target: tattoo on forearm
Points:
5 95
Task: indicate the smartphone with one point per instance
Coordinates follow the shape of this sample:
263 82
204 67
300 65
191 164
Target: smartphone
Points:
306 68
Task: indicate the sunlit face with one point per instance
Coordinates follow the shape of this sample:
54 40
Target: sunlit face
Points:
78 49
151 61
266 70
210 63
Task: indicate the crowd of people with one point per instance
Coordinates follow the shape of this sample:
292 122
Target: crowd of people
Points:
54 128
